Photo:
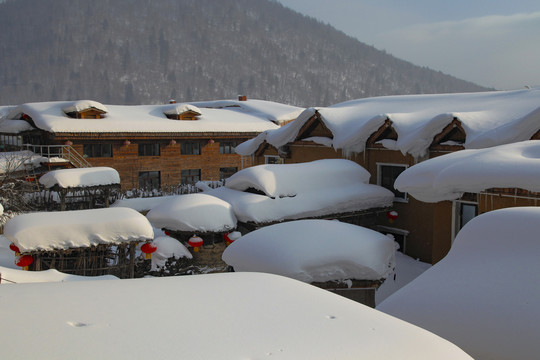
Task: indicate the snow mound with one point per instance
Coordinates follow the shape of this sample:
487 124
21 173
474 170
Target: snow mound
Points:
74 229
168 247
447 177
11 276
81 177
255 316
142 204
483 296
193 212
314 251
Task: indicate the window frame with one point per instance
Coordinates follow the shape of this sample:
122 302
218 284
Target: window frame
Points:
187 177
188 148
149 149
97 154
227 170
227 147
149 179
278 159
397 197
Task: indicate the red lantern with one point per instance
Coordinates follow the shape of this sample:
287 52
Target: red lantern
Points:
24 261
148 248
231 237
196 242
15 249
392 215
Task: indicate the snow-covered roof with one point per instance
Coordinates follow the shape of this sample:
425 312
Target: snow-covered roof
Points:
488 119
483 296
81 105
221 316
314 251
296 191
75 229
142 204
245 116
275 112
447 177
82 177
177 109
193 212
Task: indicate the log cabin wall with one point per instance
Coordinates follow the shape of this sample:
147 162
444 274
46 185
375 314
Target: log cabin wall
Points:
169 162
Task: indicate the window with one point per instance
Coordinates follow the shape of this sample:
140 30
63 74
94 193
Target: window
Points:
149 180
97 150
464 211
149 150
191 148
227 172
272 159
227 147
386 176
190 176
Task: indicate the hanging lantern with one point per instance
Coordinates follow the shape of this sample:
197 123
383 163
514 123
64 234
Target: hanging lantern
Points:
196 242
148 248
15 249
24 261
392 215
167 233
231 237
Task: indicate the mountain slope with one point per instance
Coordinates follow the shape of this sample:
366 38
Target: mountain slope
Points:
138 51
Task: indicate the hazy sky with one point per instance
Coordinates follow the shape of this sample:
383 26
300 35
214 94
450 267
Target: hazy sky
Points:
494 43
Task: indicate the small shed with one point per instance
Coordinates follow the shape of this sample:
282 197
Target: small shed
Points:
202 214
81 188
84 242
347 259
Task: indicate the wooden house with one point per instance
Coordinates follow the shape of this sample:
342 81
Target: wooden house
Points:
387 135
151 146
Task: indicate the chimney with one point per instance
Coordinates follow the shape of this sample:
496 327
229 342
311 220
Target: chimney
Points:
242 98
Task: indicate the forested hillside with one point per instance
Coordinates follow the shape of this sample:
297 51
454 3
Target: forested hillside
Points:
140 51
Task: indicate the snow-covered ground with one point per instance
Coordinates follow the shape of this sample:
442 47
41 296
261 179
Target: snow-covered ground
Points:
483 296
216 316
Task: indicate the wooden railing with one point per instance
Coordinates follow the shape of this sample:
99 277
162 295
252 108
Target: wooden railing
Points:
65 152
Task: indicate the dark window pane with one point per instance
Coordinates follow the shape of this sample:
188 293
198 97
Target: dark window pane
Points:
388 176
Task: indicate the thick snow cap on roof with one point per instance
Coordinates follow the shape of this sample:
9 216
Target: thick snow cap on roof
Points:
296 191
50 116
488 118
82 177
483 296
313 251
281 180
178 109
447 177
255 316
75 229
82 105
193 212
